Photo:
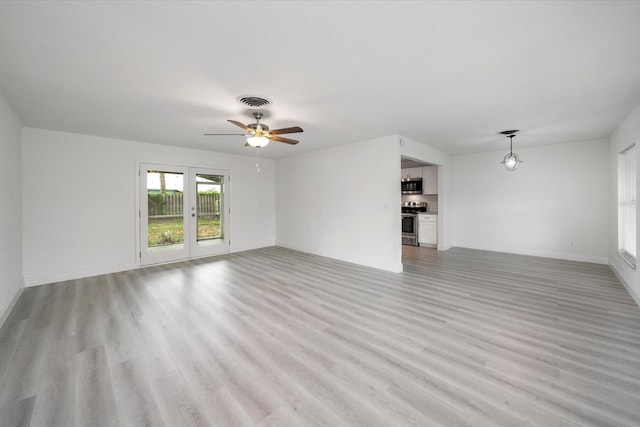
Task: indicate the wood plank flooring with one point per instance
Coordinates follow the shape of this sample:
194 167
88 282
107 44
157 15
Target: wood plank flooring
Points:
279 337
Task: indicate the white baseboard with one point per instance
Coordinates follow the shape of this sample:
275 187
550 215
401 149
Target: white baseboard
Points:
631 292
393 268
542 254
243 248
44 279
4 315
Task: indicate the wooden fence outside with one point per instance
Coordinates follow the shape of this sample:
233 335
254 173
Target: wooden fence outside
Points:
172 205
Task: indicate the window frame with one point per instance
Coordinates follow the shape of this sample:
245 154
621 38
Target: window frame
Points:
627 196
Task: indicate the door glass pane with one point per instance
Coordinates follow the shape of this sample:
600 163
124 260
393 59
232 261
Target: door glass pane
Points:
209 209
165 201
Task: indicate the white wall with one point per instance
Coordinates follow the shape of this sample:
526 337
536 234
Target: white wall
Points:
553 205
343 203
80 194
626 134
424 153
11 282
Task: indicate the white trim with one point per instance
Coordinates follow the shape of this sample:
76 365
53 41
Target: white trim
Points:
47 279
627 258
77 274
633 295
626 205
137 212
391 267
9 308
543 254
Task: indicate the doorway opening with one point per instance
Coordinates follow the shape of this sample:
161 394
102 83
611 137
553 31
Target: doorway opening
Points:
419 207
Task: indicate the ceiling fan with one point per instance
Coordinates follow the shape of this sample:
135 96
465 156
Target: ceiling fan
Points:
259 134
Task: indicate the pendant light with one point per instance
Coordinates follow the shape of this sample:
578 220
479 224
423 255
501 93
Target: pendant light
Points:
511 160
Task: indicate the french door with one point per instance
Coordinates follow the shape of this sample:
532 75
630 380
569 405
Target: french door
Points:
184 212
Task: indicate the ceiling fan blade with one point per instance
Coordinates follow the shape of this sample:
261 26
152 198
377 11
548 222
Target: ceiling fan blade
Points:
295 129
240 125
280 139
239 134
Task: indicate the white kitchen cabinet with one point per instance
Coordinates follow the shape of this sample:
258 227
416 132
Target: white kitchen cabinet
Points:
427 229
430 180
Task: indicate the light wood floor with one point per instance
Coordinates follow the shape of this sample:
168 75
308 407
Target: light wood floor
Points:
278 337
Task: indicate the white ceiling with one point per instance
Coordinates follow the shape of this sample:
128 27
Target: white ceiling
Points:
448 74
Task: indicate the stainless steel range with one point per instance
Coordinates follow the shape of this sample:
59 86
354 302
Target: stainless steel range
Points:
410 212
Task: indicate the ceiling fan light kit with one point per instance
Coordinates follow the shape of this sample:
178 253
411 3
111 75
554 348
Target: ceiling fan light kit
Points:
258 134
511 159
258 141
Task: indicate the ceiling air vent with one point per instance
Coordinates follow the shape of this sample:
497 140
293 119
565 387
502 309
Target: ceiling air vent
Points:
254 101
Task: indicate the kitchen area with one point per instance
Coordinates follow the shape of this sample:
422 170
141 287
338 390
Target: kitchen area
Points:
419 189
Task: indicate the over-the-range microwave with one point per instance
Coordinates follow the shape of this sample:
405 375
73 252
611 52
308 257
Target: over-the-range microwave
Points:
411 185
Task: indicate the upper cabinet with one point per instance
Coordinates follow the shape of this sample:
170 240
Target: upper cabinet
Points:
429 175
430 180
